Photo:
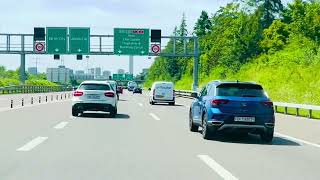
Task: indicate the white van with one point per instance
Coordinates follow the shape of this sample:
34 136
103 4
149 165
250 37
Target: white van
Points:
162 92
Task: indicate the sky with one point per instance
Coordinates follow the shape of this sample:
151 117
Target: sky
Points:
21 16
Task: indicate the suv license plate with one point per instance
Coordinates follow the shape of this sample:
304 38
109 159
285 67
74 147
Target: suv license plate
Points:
245 119
93 96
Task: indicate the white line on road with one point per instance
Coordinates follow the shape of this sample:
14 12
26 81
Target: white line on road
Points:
217 167
32 144
140 104
297 140
61 125
154 116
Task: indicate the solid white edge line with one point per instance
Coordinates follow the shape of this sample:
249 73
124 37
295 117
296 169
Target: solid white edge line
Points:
32 144
61 125
154 116
297 140
221 171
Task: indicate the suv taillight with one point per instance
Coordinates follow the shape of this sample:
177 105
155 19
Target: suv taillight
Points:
77 93
267 103
217 102
109 94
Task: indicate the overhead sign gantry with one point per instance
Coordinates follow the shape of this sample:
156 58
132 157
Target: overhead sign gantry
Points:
78 41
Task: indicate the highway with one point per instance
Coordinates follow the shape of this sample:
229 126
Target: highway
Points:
145 142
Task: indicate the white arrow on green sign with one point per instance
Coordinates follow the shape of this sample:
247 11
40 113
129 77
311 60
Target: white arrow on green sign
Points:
56 40
79 40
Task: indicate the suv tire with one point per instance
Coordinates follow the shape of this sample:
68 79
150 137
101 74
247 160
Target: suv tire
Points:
206 134
267 136
192 127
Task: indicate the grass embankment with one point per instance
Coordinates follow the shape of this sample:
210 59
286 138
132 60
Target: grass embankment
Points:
291 75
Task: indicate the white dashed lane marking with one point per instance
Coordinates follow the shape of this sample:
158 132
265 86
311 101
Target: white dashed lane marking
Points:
220 170
32 144
155 117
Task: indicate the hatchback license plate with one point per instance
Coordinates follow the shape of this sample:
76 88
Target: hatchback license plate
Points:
245 119
93 96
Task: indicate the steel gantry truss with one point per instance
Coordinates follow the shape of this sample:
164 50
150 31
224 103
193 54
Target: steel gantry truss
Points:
23 44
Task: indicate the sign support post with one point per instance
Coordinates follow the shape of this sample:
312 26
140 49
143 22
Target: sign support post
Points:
22 70
195 65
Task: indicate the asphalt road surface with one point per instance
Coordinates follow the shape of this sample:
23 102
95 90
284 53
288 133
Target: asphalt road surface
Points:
147 142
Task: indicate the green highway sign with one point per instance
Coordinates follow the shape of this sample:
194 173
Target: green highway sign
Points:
125 77
56 40
129 77
129 41
79 40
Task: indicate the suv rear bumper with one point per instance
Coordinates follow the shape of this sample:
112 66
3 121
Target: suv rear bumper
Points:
220 126
92 107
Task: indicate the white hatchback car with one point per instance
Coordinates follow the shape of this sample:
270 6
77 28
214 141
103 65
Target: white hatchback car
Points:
94 96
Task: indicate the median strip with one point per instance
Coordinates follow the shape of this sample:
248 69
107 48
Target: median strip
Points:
154 116
220 170
32 144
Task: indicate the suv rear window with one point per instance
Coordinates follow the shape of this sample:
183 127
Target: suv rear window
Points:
240 90
102 87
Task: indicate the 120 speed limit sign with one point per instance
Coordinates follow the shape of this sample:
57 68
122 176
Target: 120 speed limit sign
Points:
156 48
39 47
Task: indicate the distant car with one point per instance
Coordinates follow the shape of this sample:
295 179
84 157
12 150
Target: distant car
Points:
137 90
120 89
94 96
232 106
132 85
162 92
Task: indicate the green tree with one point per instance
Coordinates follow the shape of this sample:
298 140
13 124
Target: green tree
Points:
275 37
183 31
203 25
271 9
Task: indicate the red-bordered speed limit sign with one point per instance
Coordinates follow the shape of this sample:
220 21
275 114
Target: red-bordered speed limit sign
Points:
156 48
39 47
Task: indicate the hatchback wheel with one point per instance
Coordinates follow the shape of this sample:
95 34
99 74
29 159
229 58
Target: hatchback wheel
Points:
75 112
113 112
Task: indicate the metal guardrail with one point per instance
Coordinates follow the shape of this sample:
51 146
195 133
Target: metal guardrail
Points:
33 89
310 108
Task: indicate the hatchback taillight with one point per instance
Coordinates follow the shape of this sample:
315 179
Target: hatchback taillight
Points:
217 102
77 93
267 103
109 94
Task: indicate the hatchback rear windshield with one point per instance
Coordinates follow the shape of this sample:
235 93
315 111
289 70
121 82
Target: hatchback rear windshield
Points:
240 90
102 87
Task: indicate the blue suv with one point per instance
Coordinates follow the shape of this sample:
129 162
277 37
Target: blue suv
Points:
232 106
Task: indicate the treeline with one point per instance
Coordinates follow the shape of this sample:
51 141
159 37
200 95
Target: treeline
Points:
11 77
254 40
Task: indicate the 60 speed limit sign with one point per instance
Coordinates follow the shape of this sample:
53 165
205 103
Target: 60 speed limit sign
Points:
156 48
39 47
